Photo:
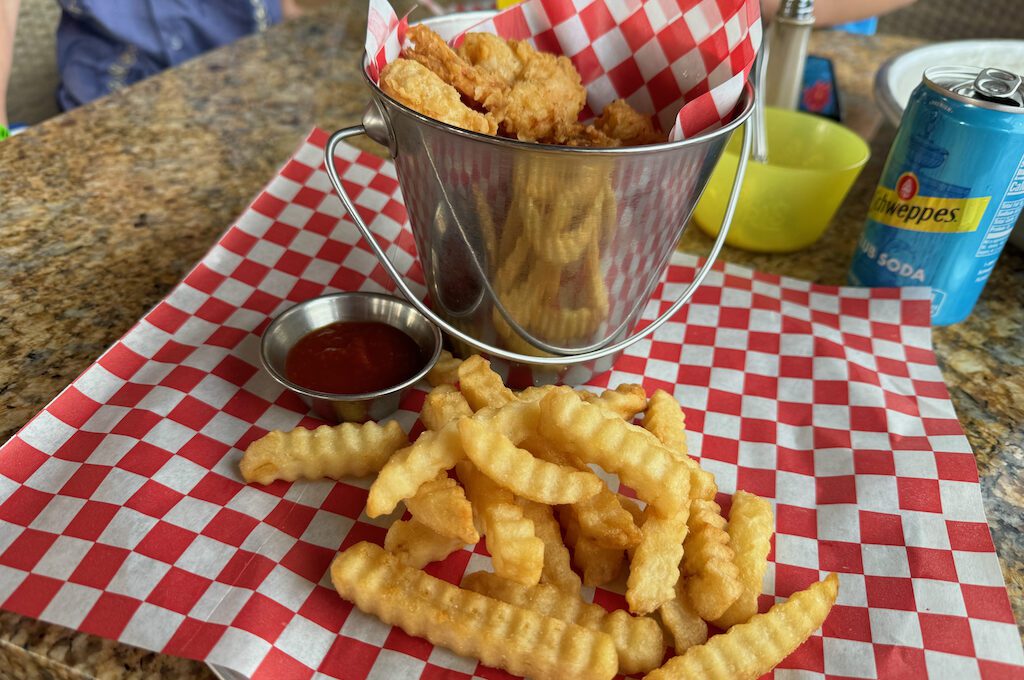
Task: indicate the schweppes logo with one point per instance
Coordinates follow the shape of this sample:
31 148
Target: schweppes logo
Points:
903 208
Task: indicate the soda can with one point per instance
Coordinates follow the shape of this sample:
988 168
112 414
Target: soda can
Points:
951 190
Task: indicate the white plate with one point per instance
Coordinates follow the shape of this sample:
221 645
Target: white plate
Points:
900 75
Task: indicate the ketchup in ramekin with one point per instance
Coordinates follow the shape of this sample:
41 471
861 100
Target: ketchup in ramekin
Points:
353 357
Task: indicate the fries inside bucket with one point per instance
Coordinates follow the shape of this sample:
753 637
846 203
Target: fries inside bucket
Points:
539 256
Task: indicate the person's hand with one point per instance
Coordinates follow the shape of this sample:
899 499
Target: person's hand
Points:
290 9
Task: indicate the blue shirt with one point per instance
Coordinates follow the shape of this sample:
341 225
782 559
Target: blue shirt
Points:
864 27
104 45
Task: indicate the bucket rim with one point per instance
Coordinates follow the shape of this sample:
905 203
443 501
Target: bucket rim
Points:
746 101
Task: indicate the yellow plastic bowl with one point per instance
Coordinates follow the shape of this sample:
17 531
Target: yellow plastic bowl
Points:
786 203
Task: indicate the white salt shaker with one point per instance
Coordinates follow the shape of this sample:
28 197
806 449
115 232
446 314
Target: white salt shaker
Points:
789 34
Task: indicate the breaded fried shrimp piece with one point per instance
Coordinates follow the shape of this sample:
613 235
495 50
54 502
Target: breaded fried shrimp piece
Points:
546 99
426 47
624 123
493 54
531 95
420 89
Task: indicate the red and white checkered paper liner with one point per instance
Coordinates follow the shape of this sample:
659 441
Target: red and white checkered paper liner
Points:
684 60
122 513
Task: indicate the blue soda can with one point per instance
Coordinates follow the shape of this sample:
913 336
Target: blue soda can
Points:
951 190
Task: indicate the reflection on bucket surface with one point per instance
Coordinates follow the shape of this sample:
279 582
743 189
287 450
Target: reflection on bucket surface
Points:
546 253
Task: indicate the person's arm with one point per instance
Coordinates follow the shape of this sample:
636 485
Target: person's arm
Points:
833 12
8 22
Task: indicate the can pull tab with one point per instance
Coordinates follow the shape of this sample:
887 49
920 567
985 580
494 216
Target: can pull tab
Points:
999 86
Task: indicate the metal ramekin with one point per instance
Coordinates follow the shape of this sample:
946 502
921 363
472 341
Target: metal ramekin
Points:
296 322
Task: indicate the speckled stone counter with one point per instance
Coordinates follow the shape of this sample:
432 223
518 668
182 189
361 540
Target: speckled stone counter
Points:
102 210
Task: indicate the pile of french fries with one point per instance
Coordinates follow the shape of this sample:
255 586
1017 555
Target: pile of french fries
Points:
526 483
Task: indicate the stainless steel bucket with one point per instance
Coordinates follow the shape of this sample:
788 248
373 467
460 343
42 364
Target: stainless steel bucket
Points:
540 256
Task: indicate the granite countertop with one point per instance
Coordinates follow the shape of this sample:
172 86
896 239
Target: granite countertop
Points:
104 209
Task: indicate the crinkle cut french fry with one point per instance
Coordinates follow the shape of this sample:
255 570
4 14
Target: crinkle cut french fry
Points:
606 520
516 420
557 570
519 471
654 564
625 401
588 432
601 517
482 386
533 393
664 419
597 565
517 640
418 545
683 624
441 504
442 405
334 452
633 508
545 450
749 650
711 577
638 640
542 598
516 551
445 371
750 536
702 482
407 470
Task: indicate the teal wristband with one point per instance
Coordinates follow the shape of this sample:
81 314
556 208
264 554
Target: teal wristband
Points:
4 132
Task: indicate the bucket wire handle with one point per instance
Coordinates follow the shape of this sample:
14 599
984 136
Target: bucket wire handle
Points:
403 287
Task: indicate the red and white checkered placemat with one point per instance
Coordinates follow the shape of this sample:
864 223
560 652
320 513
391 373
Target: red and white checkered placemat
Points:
685 61
122 513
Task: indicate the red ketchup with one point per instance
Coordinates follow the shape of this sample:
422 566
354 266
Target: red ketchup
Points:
353 357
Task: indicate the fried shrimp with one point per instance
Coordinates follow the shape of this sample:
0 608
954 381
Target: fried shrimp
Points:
491 53
478 85
621 121
544 93
510 88
421 89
